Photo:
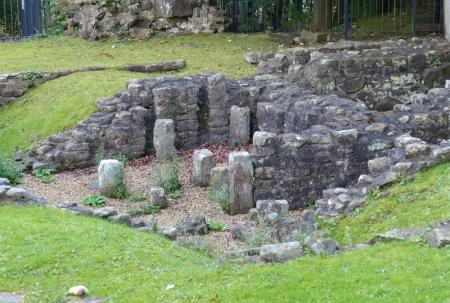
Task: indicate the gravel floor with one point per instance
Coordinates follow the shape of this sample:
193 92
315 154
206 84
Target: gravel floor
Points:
139 177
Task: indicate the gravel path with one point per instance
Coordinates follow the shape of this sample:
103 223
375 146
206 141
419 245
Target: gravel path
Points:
139 177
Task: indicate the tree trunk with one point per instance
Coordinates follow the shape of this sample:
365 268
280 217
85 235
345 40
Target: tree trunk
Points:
323 12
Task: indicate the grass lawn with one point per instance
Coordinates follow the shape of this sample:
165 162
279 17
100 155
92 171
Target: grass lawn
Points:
62 103
414 204
43 252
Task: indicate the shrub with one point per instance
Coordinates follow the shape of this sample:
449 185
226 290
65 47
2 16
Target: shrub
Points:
221 196
168 176
44 175
216 226
95 200
10 171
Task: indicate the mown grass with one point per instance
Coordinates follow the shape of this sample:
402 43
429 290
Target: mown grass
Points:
414 204
43 252
64 102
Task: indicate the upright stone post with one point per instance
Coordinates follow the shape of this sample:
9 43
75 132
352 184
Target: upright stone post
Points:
202 163
239 125
110 175
164 138
241 182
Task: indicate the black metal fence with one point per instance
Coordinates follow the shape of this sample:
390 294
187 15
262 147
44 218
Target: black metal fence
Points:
354 18
23 18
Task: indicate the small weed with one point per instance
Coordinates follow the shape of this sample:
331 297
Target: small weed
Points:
436 62
124 159
44 175
258 237
221 196
95 200
216 226
10 171
136 198
121 191
168 176
374 194
32 76
145 210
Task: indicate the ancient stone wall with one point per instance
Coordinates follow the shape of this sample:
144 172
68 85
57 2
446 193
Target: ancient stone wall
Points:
379 74
123 124
303 143
139 19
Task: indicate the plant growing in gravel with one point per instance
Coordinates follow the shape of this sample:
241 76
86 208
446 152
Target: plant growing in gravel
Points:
121 191
145 210
44 175
221 196
136 198
168 176
10 171
216 226
95 200
259 237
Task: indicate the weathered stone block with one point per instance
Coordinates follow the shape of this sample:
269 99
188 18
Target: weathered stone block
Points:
439 237
164 138
219 178
110 175
281 252
158 197
239 125
270 210
241 182
202 163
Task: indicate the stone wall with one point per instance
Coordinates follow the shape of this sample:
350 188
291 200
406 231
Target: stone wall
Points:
123 124
139 19
380 74
320 142
14 85
303 143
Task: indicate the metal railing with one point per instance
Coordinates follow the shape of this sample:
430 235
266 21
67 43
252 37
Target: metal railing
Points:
23 18
348 18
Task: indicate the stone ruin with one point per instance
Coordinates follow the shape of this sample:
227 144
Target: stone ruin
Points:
139 19
380 74
308 148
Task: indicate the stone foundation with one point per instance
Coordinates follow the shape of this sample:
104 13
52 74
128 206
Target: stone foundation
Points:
303 143
380 74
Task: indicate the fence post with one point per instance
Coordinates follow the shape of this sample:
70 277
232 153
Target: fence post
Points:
235 16
414 18
346 19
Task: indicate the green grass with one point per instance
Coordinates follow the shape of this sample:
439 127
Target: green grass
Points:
414 204
43 252
62 103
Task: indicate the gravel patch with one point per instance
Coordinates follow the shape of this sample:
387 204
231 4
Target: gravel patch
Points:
140 177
